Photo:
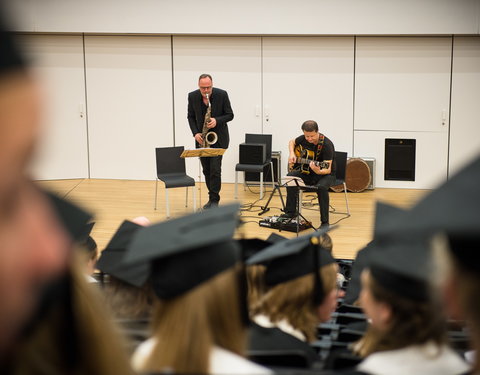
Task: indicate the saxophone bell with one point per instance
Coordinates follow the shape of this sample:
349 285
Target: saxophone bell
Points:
209 137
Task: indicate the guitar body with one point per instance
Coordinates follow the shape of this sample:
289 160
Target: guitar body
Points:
304 158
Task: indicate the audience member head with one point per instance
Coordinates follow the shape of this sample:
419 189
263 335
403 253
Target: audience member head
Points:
33 245
398 299
195 276
126 290
301 277
255 273
75 334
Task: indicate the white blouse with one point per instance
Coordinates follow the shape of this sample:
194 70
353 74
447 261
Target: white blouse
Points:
221 361
416 359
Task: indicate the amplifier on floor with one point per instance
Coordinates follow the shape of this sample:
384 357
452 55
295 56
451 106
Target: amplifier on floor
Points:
287 224
252 153
253 179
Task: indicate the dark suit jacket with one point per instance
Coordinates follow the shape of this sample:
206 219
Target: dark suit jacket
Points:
221 111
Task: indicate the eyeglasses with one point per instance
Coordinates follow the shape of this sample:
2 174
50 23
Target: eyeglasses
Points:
205 87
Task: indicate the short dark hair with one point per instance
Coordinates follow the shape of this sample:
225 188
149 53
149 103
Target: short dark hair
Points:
310 126
204 75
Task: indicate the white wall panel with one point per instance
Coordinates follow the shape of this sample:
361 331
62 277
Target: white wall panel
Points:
308 78
402 84
266 17
57 61
430 163
235 65
465 124
129 91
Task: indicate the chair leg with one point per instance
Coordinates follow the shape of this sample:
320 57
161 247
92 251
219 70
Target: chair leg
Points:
236 183
156 187
261 185
300 201
271 168
194 198
186 197
346 198
167 203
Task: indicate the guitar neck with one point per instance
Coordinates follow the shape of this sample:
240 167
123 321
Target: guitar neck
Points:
320 164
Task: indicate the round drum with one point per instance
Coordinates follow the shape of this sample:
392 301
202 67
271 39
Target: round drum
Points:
357 176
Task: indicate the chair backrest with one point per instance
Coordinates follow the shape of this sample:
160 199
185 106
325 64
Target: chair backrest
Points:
261 138
169 161
341 164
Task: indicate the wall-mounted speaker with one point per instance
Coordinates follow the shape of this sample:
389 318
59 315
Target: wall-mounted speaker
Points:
400 159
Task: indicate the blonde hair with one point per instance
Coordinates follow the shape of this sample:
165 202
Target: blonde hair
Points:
412 322
99 348
294 302
189 326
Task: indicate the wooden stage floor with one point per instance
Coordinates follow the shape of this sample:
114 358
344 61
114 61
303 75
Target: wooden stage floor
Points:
112 201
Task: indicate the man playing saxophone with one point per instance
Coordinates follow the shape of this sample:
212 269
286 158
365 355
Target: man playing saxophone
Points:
209 111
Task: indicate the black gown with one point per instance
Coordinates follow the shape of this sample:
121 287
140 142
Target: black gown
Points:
272 347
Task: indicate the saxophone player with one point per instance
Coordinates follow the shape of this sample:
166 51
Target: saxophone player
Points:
217 103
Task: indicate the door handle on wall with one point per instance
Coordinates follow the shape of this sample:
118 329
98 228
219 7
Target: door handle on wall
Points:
81 110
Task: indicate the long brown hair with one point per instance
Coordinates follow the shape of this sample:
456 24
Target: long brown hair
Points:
293 301
412 322
98 347
128 301
187 327
466 287
255 274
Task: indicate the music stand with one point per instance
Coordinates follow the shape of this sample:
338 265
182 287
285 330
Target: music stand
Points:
294 181
202 153
289 181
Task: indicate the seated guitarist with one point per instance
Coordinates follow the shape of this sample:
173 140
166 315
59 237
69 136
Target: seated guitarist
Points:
312 158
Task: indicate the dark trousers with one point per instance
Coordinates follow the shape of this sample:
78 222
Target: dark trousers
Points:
212 170
321 182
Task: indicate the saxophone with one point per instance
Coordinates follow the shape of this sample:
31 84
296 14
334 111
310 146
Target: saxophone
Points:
209 137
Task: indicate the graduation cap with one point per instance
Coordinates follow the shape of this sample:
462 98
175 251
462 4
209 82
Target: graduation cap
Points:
384 214
251 246
453 207
111 259
74 219
290 259
275 237
403 268
188 251
10 57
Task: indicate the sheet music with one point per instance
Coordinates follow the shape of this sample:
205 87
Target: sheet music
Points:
292 181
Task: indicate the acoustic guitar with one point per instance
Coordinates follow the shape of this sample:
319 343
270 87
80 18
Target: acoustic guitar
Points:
303 158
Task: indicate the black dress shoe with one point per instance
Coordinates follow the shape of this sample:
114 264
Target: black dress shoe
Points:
210 204
287 215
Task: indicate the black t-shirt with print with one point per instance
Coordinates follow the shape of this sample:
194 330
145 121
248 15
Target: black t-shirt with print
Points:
327 151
